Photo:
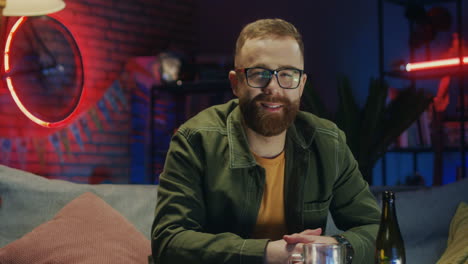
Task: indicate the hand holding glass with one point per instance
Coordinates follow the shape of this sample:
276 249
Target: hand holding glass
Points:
316 253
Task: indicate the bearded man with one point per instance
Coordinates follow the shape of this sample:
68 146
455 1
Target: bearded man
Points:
251 180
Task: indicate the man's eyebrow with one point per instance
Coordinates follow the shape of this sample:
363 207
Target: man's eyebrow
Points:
288 67
262 65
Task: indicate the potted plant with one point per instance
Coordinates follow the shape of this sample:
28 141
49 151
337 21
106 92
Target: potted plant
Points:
370 130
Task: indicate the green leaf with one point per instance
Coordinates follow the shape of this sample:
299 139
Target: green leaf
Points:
372 114
403 111
312 103
370 130
348 115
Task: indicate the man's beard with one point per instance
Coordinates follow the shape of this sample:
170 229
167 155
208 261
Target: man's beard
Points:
264 122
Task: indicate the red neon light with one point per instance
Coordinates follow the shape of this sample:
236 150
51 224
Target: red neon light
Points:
8 42
425 65
6 59
23 108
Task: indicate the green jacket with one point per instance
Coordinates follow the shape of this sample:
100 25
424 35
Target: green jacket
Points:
211 188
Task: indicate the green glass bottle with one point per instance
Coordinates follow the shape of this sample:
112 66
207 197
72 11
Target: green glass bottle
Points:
390 248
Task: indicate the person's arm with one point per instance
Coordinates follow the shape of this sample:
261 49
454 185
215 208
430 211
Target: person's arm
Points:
278 252
178 233
354 208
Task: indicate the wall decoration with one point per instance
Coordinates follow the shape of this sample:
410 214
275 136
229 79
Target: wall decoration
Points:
111 100
106 49
6 147
117 90
55 141
77 135
65 141
84 125
43 70
102 107
22 151
94 117
39 149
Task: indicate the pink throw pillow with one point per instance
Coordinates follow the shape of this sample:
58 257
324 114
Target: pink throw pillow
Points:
86 230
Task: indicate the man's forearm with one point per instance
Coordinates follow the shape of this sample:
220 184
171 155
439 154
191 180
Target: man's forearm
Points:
196 247
362 240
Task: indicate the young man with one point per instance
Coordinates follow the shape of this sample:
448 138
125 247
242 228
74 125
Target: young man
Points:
250 181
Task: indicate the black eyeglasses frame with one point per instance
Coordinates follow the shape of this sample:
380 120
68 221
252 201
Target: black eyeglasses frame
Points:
272 72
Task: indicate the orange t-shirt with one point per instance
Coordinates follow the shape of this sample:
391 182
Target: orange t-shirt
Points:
271 221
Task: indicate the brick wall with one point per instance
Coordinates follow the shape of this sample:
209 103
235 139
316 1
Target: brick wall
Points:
95 146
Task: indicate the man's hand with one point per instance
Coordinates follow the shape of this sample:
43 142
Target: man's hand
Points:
278 252
309 236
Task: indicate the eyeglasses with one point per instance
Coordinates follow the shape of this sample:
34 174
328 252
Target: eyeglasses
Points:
258 77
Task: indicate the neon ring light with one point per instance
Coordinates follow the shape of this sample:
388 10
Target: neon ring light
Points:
43 70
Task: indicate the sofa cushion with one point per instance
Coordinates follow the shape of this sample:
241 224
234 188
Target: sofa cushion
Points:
87 230
457 243
29 200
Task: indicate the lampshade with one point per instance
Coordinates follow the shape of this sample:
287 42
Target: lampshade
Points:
32 7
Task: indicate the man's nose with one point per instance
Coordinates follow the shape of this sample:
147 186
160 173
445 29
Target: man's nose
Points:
273 86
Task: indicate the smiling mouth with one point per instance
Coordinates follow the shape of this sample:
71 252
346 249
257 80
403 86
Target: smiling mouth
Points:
271 106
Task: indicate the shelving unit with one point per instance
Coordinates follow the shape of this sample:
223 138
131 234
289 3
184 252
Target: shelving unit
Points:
180 95
457 71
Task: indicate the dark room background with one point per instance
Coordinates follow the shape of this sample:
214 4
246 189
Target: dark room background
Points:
105 143
341 38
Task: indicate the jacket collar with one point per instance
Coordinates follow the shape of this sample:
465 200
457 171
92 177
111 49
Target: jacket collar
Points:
239 153
301 133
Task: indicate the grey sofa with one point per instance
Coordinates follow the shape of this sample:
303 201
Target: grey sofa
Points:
424 216
29 200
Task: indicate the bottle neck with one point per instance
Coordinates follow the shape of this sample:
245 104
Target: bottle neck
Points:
389 211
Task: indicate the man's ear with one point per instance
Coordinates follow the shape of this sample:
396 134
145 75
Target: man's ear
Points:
234 82
303 82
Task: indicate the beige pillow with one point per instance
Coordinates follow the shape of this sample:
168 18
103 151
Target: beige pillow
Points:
86 230
457 244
